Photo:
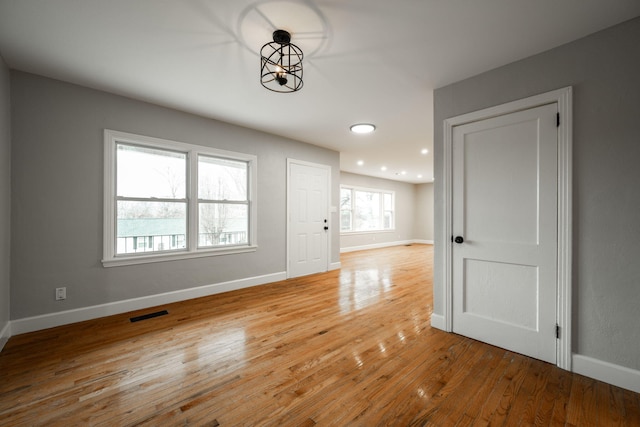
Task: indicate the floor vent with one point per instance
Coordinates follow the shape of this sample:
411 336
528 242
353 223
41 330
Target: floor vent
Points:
148 316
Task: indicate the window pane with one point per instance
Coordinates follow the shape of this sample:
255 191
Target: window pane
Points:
223 224
345 198
388 220
345 209
150 226
388 201
222 179
149 172
388 210
367 211
345 220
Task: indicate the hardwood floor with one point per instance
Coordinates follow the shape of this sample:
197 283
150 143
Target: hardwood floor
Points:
346 348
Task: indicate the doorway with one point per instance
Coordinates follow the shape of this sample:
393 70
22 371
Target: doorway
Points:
494 292
308 240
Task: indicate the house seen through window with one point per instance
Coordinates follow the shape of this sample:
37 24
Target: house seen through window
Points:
151 199
173 198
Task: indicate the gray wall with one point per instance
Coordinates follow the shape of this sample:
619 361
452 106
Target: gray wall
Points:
5 194
604 70
57 172
423 229
405 211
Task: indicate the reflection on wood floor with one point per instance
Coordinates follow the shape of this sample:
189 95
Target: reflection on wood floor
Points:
352 347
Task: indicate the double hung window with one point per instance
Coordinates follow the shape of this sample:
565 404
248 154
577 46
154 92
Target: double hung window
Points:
363 210
169 200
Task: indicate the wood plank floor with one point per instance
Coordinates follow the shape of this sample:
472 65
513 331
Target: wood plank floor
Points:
347 348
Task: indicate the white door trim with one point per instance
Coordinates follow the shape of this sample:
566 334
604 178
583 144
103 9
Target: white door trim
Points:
563 98
328 216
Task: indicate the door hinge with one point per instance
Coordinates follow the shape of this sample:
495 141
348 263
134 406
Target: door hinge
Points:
558 120
557 331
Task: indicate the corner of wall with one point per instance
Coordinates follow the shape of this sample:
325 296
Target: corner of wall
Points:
5 334
5 202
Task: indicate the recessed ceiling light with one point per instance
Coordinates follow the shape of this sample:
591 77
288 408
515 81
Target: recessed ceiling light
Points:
384 168
419 176
424 151
362 128
403 172
360 163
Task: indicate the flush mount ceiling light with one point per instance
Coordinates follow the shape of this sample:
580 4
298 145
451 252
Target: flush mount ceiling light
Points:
362 128
281 64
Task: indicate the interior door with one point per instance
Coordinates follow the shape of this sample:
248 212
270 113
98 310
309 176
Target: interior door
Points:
505 231
308 219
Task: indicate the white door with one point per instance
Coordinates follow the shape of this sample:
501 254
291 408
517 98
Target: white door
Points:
505 231
308 219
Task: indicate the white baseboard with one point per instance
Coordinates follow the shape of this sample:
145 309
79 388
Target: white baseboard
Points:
375 246
423 242
5 334
437 321
608 372
335 266
51 320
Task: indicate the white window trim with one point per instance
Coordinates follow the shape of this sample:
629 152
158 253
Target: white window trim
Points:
370 190
110 259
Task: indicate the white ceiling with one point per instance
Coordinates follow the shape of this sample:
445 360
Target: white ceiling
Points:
374 61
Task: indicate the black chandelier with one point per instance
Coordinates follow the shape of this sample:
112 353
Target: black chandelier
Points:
281 64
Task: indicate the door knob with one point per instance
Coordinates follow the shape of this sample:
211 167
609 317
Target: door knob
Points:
458 239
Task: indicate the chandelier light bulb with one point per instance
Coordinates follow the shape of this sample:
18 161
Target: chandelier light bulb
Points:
281 64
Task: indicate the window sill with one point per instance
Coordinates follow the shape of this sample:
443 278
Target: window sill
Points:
174 256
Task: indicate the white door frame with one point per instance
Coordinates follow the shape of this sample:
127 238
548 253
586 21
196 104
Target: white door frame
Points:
328 216
563 98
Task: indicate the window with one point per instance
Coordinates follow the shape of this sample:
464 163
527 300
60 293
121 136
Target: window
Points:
366 210
169 200
346 211
223 205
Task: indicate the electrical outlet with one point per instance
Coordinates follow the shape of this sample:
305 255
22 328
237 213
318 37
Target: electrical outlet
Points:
61 293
